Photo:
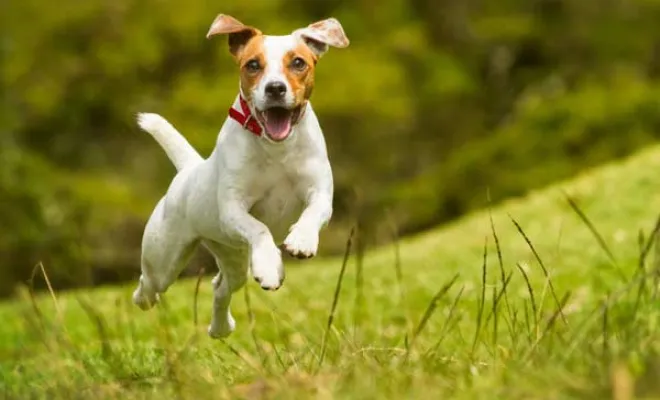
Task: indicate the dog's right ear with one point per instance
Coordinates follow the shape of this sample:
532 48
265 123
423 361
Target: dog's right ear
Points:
239 34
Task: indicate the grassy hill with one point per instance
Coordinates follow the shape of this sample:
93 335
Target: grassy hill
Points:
432 316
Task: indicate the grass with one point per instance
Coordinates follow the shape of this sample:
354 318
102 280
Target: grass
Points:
549 296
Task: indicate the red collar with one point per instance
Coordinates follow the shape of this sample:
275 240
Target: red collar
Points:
246 119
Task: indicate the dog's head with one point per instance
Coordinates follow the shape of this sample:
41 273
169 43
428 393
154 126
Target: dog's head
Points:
277 72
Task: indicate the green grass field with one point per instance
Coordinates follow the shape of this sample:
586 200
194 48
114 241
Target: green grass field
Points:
465 311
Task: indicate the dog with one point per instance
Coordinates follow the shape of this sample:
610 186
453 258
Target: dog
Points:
268 178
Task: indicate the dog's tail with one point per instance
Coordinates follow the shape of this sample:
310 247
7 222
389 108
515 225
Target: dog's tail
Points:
175 145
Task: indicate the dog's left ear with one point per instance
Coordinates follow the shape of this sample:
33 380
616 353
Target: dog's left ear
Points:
319 35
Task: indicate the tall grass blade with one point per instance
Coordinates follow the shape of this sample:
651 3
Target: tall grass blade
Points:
606 342
200 274
37 310
495 317
650 241
360 248
108 354
482 299
592 228
51 291
530 332
430 309
398 273
656 267
645 249
335 298
446 327
543 268
397 262
50 332
253 327
580 331
497 297
106 349
256 367
500 262
532 299
551 323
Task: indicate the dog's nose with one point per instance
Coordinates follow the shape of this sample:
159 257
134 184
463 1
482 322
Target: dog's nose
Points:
275 89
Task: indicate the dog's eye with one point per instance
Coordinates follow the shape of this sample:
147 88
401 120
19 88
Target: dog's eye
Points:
253 66
298 64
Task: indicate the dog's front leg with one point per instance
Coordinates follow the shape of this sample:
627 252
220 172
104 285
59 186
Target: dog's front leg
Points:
303 238
265 256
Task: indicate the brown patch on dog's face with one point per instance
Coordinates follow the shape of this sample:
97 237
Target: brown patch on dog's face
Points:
277 72
252 63
298 67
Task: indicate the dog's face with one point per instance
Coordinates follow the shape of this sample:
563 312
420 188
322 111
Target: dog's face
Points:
277 72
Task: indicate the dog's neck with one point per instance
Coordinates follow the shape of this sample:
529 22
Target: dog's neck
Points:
242 113
296 128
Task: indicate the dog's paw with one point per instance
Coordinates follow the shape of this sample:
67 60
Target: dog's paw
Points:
220 330
267 267
144 296
301 242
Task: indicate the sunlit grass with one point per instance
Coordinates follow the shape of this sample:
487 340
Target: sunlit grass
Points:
549 296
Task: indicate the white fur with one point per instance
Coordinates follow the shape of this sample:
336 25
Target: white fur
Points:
176 146
275 48
249 195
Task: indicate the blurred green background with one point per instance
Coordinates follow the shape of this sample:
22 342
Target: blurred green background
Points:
436 105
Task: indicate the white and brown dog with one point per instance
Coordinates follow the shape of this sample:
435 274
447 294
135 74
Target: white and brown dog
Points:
267 179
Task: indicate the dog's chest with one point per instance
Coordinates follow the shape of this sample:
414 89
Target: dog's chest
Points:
274 197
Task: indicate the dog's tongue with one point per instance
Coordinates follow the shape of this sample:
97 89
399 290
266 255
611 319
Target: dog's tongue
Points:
278 123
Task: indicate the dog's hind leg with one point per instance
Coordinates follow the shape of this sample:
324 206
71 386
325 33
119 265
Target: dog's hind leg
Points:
225 283
167 246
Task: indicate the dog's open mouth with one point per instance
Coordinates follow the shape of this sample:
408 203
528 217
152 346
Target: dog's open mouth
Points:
278 121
